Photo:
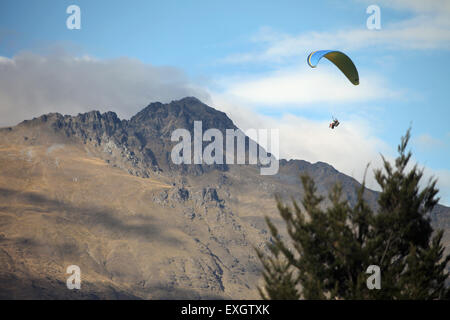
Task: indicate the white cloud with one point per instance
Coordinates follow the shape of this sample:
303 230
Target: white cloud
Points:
426 142
443 183
301 86
436 7
429 28
31 85
6 61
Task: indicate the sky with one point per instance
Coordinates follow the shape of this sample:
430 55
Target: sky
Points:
248 59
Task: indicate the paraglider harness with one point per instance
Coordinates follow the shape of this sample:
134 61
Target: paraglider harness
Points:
334 124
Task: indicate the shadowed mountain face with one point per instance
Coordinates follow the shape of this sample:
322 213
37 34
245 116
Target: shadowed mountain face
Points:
102 193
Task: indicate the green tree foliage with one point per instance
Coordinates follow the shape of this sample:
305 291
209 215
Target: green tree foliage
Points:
328 251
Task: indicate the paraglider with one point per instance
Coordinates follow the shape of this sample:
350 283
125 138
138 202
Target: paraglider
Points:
334 123
339 59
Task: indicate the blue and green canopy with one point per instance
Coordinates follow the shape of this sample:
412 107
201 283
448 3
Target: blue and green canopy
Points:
339 59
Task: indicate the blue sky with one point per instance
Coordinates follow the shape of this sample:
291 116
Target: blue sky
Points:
248 58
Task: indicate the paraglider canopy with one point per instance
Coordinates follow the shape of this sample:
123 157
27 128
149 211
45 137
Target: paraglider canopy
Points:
339 59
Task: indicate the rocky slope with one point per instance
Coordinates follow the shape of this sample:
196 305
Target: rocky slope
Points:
102 193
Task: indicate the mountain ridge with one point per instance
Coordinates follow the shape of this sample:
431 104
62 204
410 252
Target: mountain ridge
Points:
101 192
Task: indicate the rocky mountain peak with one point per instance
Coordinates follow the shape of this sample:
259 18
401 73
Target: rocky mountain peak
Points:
180 114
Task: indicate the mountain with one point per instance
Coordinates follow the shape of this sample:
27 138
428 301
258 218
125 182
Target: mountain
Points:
102 193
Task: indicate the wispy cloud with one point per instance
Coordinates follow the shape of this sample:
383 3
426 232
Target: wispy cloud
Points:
443 183
302 86
435 7
426 142
429 28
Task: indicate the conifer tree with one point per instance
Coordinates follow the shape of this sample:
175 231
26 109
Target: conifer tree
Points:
329 250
